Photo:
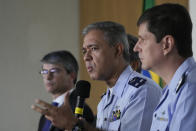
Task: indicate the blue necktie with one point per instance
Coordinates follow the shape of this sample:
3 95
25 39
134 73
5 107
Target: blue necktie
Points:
47 123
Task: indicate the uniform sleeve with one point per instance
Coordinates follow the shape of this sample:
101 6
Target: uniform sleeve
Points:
184 117
139 110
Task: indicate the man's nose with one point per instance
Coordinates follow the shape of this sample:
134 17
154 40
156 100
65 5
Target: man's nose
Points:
87 56
136 47
49 76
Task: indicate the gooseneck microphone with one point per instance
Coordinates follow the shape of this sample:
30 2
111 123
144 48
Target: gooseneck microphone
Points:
83 92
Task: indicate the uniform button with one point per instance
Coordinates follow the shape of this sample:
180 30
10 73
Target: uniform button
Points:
105 119
157 130
155 115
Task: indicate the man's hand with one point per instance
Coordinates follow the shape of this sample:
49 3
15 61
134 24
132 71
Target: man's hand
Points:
61 117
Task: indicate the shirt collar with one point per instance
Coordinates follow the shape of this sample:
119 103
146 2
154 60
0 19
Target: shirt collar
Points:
179 72
60 99
121 82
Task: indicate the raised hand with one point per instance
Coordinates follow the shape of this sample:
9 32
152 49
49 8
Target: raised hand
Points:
61 117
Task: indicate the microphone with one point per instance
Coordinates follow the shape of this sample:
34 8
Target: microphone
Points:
82 92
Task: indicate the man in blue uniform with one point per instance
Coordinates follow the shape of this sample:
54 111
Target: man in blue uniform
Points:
165 47
130 99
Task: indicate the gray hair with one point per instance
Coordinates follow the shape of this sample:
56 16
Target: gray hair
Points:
114 33
65 58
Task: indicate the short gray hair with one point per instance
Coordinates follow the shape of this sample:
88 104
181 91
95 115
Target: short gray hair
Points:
114 33
65 58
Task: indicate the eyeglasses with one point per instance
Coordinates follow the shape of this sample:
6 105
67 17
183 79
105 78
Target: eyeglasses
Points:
44 72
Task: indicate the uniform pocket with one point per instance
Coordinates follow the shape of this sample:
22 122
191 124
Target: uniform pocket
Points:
114 125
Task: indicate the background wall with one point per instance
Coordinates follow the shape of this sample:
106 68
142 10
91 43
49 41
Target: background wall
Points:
28 30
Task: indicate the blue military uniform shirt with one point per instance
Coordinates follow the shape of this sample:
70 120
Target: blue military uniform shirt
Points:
176 110
131 104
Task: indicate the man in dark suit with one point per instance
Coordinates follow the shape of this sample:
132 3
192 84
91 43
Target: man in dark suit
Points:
59 72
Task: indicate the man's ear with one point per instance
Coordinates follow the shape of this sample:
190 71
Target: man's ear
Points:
73 76
119 49
168 43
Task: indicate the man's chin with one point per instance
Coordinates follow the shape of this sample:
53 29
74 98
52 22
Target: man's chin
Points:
49 89
144 67
93 77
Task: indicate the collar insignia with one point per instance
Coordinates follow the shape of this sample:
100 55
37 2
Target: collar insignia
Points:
180 83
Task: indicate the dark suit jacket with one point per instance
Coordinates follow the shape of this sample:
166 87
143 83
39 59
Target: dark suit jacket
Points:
88 114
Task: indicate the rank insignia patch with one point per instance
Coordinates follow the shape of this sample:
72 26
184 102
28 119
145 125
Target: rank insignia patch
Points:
137 82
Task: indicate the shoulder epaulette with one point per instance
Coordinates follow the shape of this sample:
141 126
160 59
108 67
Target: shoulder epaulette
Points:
137 81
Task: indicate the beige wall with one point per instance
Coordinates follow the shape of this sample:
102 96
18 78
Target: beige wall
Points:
28 30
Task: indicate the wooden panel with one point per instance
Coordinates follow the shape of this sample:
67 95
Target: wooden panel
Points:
125 12
182 2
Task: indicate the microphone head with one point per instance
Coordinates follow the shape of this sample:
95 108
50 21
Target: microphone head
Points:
83 88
